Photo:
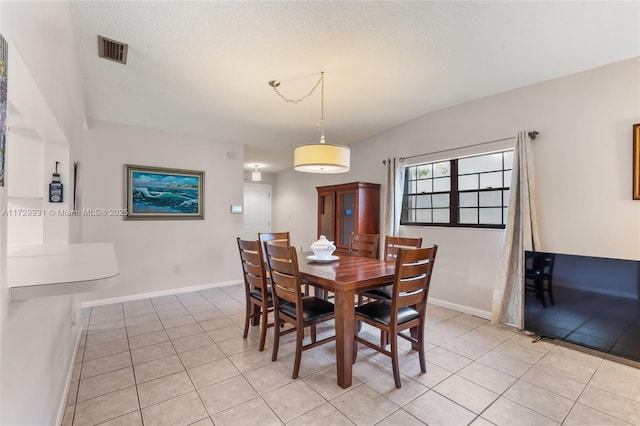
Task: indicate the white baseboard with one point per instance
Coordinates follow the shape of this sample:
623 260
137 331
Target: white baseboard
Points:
88 304
460 308
139 296
63 403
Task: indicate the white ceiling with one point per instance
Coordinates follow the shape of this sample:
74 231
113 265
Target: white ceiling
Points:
201 68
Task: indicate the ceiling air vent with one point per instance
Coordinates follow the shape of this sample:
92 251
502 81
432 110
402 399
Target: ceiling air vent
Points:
112 50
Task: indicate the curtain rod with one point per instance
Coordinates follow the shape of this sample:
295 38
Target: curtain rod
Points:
532 135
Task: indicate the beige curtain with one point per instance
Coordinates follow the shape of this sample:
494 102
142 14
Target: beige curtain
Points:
394 184
521 234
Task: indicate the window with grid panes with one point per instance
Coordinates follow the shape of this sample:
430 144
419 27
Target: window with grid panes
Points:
470 191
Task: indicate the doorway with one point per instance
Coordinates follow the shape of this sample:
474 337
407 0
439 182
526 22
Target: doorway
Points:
257 210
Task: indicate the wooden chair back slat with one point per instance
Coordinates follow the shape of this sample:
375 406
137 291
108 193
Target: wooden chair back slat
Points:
279 238
412 277
364 245
253 267
285 277
392 244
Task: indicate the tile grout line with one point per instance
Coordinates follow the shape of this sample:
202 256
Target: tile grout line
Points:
228 313
242 374
512 384
133 369
75 403
520 378
252 370
261 395
185 367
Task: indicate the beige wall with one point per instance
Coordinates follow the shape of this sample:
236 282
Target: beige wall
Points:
582 166
149 250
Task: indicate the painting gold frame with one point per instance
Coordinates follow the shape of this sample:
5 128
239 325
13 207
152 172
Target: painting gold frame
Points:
163 193
636 161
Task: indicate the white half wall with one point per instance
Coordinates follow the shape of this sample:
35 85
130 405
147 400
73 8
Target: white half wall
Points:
582 166
159 255
37 335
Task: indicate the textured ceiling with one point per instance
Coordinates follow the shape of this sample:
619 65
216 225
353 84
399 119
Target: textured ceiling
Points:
201 68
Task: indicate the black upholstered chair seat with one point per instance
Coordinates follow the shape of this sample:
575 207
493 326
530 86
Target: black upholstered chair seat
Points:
379 293
312 308
257 293
380 311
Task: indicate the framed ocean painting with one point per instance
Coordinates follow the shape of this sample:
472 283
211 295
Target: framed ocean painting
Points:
159 193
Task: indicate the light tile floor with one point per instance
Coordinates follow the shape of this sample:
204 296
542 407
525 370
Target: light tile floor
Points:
181 360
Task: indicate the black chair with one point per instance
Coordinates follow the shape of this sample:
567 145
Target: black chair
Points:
259 300
539 275
290 306
406 310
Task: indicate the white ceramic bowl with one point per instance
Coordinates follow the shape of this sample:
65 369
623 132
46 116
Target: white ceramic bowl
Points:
323 248
323 252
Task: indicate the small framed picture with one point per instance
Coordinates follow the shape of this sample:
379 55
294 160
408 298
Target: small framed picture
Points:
161 193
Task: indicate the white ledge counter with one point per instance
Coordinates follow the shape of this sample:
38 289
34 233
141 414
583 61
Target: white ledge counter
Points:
40 270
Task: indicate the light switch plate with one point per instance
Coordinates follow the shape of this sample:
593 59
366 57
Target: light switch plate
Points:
236 209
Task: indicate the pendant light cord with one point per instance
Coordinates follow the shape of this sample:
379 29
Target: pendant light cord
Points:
320 82
275 84
321 122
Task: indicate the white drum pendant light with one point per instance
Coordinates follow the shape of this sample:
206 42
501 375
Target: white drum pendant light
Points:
320 157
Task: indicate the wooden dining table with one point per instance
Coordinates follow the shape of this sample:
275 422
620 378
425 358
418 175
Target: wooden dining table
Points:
345 277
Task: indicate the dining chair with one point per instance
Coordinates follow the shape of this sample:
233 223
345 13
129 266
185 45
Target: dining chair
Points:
538 271
406 310
290 306
391 247
259 300
392 244
364 245
282 238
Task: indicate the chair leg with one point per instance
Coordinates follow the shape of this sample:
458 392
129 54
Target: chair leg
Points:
299 338
550 292
384 339
355 342
247 318
255 315
394 360
263 328
540 292
420 337
276 336
314 334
